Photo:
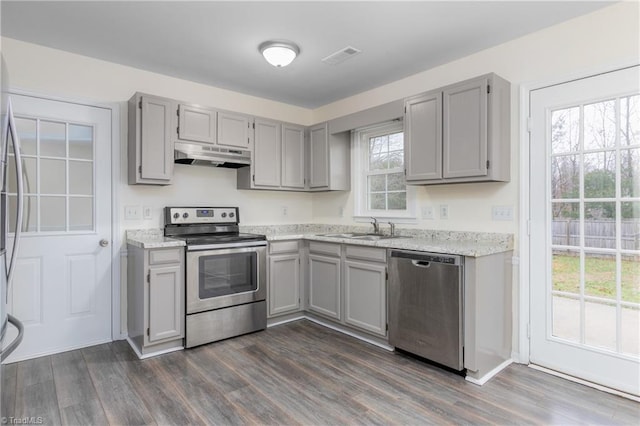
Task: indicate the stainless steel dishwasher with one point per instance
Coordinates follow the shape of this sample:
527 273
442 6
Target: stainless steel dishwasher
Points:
426 305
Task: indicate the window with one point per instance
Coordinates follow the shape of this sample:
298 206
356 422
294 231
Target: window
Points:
379 172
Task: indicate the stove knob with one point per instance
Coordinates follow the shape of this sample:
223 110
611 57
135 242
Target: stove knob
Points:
176 215
232 214
185 215
224 215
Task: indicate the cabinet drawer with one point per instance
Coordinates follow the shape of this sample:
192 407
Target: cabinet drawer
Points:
366 253
283 247
324 248
161 256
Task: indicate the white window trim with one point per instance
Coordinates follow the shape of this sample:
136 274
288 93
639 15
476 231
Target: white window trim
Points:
359 164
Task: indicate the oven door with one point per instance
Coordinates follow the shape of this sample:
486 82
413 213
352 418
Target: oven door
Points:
225 277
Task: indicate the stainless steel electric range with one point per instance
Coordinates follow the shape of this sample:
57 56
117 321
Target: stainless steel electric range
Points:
225 273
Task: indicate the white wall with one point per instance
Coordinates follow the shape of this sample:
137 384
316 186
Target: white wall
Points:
62 74
592 43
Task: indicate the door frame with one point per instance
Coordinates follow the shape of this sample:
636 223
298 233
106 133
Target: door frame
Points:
521 351
116 238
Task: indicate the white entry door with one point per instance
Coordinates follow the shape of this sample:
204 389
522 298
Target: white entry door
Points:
585 229
62 286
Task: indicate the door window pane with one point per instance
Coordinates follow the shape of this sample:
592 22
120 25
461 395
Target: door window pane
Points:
565 130
80 214
53 139
600 175
600 325
80 141
566 318
630 120
600 275
81 177
565 274
566 224
630 172
600 125
29 175
629 331
600 224
53 176
26 129
630 226
29 213
565 175
53 214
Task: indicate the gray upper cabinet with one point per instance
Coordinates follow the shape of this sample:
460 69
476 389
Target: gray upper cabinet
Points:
150 140
266 153
233 130
465 129
459 133
329 159
319 160
293 156
423 137
196 124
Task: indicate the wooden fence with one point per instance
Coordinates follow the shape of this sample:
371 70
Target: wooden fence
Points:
600 233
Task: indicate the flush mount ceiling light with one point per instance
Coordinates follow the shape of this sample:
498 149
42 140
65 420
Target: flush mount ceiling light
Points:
279 53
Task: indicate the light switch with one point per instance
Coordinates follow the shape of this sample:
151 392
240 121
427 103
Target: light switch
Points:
502 213
132 213
427 212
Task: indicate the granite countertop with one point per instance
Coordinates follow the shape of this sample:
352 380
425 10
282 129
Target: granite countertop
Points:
472 244
151 238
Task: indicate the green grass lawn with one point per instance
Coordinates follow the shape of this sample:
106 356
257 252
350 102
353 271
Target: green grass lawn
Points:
600 277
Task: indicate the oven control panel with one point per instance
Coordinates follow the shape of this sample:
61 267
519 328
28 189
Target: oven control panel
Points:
194 215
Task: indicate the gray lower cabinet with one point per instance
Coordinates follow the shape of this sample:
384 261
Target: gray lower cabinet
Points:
284 278
365 288
325 279
459 133
150 139
155 300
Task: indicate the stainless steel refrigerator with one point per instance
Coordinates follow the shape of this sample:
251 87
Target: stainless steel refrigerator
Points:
8 254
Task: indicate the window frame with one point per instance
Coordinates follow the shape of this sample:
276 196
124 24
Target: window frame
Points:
360 167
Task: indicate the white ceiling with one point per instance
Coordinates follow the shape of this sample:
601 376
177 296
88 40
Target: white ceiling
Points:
216 43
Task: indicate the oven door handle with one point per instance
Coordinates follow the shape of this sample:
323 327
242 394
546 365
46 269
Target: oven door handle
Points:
225 246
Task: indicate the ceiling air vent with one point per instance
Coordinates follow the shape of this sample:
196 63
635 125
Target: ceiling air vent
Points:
341 55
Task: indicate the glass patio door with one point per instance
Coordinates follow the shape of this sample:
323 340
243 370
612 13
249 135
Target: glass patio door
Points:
585 228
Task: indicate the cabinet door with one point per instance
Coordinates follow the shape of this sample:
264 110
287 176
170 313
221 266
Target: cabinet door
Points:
366 296
266 153
166 314
196 124
156 143
233 130
284 284
319 161
292 156
324 285
423 137
465 129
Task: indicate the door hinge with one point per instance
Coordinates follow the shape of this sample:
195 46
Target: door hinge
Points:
149 278
148 332
140 169
254 125
140 104
488 88
528 331
405 109
386 275
253 178
488 162
178 112
386 327
178 130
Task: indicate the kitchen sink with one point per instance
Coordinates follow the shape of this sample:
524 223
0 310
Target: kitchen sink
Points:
361 236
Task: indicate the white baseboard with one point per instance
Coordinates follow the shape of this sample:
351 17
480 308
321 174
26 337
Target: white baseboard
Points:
586 383
349 333
284 321
484 379
152 354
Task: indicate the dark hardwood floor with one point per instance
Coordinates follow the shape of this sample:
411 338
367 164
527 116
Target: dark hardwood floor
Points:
297 373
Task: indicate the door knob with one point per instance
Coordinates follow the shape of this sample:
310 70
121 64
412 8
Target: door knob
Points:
104 243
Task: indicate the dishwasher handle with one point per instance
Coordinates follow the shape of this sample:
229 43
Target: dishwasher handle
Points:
424 259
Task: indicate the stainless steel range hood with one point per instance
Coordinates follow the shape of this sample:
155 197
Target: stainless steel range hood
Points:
211 155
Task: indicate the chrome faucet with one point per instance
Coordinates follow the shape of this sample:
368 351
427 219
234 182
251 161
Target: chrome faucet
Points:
393 228
376 226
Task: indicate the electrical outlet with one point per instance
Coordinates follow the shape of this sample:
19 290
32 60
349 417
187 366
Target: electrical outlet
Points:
502 213
146 213
444 211
132 213
427 212
285 210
